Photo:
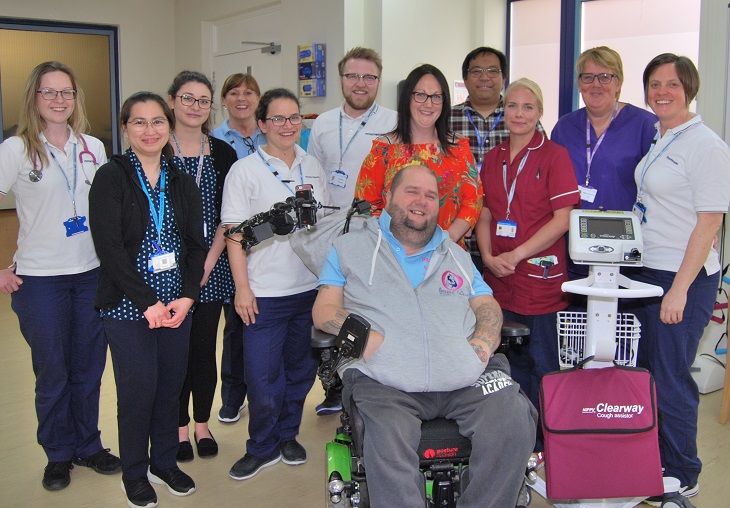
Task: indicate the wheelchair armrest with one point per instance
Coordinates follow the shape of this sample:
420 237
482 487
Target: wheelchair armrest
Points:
513 329
322 340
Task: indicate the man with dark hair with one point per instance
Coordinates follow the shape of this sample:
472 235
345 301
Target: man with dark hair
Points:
434 329
341 138
481 117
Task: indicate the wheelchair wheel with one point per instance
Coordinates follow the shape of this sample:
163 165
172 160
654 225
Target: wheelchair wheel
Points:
349 499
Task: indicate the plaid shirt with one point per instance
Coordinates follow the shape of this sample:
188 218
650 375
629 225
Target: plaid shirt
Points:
495 134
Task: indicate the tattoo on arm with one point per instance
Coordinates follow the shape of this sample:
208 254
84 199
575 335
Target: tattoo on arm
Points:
333 325
483 355
489 325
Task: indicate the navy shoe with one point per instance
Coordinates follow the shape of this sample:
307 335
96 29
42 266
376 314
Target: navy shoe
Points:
230 414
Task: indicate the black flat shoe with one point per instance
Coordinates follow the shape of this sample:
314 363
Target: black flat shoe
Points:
207 447
185 452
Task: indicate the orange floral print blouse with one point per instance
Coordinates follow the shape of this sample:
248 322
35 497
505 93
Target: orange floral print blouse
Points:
460 188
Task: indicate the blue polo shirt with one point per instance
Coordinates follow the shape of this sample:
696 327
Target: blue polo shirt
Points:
415 266
243 146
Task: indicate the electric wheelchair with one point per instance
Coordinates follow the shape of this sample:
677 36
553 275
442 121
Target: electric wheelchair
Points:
444 453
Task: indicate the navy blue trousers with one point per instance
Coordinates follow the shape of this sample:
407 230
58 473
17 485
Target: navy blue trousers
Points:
537 356
149 370
59 323
668 352
280 368
233 385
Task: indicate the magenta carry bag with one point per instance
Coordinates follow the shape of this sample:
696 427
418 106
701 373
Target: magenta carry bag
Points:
601 436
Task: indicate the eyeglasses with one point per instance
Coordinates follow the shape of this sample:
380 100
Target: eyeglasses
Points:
604 78
280 121
49 94
141 125
353 78
420 97
189 100
478 72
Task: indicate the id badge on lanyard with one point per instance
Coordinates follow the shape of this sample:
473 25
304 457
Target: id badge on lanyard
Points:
161 260
507 228
338 178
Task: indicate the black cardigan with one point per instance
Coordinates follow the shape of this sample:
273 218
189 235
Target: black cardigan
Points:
118 216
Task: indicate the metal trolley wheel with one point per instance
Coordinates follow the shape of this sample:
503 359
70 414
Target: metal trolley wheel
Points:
676 501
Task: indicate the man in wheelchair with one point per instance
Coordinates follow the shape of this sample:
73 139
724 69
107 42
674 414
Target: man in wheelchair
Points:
430 353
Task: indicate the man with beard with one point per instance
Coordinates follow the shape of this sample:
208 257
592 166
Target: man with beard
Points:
341 138
434 329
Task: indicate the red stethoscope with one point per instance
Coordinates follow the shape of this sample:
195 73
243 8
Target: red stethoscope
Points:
36 174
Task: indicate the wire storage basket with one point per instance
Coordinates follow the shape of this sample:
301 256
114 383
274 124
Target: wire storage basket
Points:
572 338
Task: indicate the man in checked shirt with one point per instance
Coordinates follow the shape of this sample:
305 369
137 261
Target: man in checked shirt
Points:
481 117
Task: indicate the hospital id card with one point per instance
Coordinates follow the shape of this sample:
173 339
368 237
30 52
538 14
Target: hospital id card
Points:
507 228
587 193
161 261
338 178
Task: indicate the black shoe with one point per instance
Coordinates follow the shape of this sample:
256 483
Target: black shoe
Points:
293 453
207 447
332 403
102 462
139 493
57 475
230 414
185 452
178 483
249 465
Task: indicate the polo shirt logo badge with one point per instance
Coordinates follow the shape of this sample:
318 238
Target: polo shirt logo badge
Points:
451 281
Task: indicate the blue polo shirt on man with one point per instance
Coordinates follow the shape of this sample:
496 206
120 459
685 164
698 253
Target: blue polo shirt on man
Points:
415 266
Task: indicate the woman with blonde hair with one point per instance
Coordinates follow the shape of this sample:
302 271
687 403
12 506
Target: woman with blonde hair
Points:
49 166
529 191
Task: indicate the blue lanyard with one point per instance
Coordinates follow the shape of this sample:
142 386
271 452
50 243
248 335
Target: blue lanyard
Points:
71 192
362 124
278 176
157 215
648 164
590 154
480 140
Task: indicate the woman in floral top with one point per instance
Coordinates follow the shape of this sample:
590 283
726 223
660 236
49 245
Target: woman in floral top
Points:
422 138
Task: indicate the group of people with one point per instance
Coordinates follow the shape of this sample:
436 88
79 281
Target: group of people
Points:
470 208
